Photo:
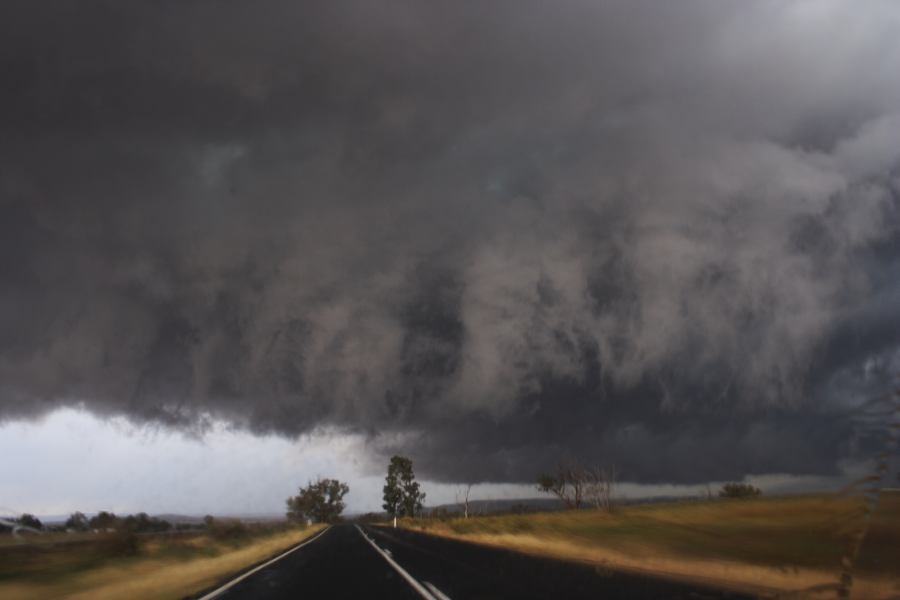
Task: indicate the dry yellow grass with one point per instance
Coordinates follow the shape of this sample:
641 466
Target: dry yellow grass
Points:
154 578
767 545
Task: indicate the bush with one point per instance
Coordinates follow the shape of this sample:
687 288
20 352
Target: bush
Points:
442 514
120 543
228 530
739 490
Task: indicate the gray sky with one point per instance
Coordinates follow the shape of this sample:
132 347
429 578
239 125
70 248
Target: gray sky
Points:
71 460
486 235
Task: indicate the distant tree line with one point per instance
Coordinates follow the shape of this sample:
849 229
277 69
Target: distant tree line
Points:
322 500
578 486
102 521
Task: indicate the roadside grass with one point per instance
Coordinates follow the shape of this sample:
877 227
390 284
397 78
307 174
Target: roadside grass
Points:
47 539
788 543
156 568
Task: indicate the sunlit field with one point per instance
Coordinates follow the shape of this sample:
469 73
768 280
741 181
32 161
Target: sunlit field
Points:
760 545
120 566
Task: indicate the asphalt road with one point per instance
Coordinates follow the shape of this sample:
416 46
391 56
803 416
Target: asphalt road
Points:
350 562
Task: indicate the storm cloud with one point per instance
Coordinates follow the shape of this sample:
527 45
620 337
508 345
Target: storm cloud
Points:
488 234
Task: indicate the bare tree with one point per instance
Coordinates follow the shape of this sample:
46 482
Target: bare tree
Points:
607 482
576 485
599 484
568 483
465 499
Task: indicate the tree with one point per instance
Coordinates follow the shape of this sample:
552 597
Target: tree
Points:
27 520
739 490
465 500
104 520
568 483
320 500
143 523
402 496
77 522
599 485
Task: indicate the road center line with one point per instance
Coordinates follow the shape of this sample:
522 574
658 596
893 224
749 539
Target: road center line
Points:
240 578
409 578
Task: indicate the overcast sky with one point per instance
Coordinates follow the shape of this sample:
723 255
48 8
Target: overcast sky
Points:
488 235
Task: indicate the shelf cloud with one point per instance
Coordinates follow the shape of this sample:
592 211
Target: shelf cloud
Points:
489 235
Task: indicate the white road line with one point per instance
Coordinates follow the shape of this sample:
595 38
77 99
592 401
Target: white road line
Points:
237 580
436 592
409 578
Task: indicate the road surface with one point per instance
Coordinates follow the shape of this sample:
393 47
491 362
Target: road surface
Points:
347 561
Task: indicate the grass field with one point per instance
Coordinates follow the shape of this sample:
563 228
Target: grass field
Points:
766 544
156 568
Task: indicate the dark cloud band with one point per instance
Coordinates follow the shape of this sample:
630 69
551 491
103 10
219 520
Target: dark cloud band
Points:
661 236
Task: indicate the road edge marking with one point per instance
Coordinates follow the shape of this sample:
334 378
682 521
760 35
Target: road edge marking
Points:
409 578
240 578
435 591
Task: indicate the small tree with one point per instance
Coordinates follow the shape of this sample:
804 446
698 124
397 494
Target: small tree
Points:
465 499
320 500
402 496
739 491
599 485
568 483
552 484
27 520
77 522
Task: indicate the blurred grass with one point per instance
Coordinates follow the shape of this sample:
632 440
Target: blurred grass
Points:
152 567
778 537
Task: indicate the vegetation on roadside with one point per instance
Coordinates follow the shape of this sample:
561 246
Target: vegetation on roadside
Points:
121 564
786 535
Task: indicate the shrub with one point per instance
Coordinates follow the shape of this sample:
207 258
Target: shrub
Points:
120 543
739 490
228 530
441 514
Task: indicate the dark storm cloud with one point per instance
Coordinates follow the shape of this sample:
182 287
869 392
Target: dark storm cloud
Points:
492 234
